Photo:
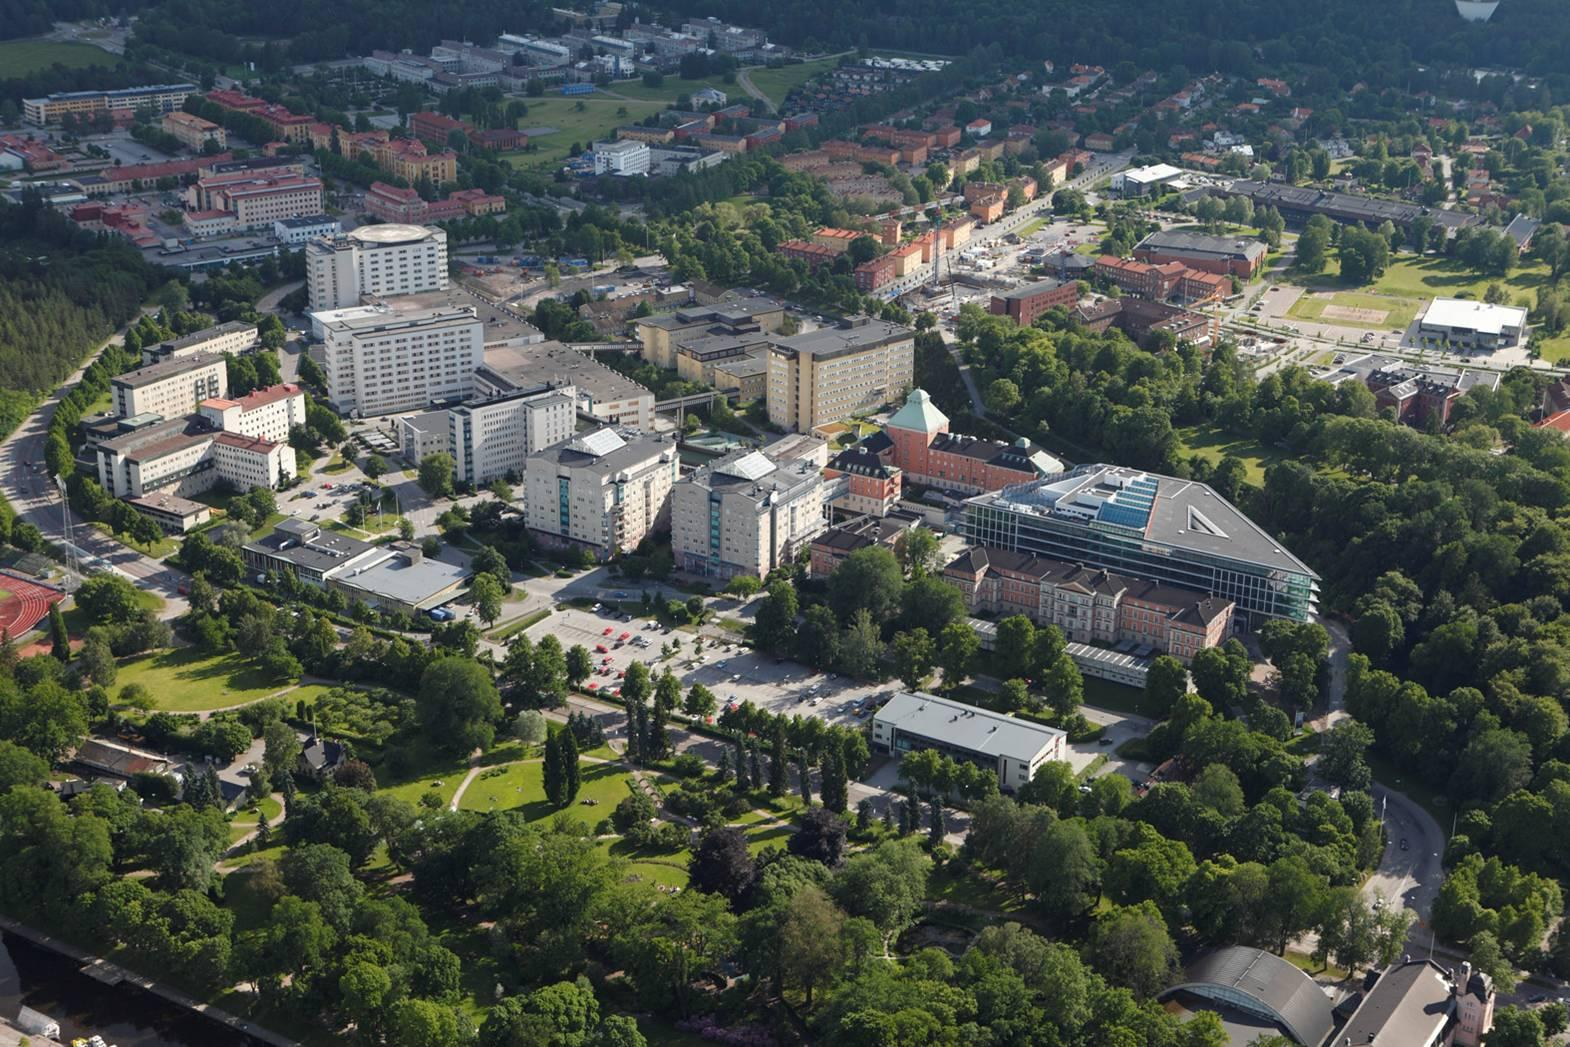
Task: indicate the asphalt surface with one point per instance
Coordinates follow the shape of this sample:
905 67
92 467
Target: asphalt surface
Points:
32 494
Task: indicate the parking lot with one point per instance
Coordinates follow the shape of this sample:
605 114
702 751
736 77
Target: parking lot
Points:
732 672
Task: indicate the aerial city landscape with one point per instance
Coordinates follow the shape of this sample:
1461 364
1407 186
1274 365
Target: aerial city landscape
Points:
1038 524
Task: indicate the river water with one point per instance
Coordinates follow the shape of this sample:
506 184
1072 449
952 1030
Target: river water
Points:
123 1015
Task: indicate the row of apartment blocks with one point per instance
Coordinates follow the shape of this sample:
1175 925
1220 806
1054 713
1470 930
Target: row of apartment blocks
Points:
403 158
389 203
904 258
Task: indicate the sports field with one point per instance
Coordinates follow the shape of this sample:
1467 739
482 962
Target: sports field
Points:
1356 309
23 604
25 57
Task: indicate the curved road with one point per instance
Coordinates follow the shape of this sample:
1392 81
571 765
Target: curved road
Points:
32 494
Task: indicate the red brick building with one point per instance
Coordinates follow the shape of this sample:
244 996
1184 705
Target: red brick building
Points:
876 274
806 251
1026 304
1091 605
920 445
872 485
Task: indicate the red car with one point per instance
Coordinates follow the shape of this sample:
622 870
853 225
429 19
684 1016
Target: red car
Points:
594 686
608 631
621 675
600 648
624 637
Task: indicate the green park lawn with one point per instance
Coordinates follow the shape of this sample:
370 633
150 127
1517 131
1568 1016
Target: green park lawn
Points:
671 89
187 680
20 58
777 83
1411 277
76 622
1382 312
599 116
1213 444
1555 350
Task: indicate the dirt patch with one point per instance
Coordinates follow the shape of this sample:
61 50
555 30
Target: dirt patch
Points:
1354 313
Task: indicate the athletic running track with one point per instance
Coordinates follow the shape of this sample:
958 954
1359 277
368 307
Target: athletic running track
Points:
26 605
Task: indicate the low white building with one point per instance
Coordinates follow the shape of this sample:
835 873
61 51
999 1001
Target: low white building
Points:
296 231
603 490
1009 747
621 158
1142 181
1465 324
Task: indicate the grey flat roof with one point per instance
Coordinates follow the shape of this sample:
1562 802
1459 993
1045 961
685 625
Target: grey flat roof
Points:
848 337
395 578
166 369
967 727
500 325
1202 243
427 421
320 552
529 366
636 449
1031 290
1411 1000
207 333
1273 984
743 366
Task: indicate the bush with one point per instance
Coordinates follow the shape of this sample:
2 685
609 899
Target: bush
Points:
688 765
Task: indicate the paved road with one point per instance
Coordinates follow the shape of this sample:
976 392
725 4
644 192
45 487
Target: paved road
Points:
1409 875
32 494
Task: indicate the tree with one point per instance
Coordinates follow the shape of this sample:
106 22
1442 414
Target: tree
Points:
779 770
580 664
885 884
700 702
811 944
835 786
916 549
1312 246
774 626
1343 752
868 579
932 604
108 599
820 836
861 648
720 864
1516 1027
487 595
457 705
1165 682
529 727
1130 946
374 467
95 661
436 474
957 649
59 638
913 654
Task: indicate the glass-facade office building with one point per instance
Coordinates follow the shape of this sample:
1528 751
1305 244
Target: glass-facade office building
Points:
1149 526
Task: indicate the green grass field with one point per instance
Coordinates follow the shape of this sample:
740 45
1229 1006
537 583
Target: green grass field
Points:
1427 277
1555 350
76 622
671 89
187 681
777 83
1357 309
1212 444
20 58
598 118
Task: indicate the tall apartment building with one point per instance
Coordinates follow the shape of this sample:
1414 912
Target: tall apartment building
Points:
1162 528
604 490
829 374
236 336
381 260
193 132
745 514
494 437
382 360
266 414
170 389
1091 604
51 109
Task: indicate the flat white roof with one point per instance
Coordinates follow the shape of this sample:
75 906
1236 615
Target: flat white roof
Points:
967 727
1153 173
1474 316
